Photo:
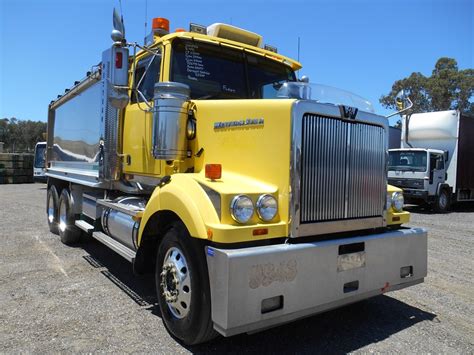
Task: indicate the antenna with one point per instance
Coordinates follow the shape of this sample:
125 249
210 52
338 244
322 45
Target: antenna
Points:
298 56
298 48
146 16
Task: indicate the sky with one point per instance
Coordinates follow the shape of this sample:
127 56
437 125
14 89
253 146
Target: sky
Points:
362 46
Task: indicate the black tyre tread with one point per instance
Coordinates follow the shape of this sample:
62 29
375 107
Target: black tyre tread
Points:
437 207
72 234
177 232
53 226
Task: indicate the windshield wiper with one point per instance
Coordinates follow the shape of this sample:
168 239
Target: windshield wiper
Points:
211 96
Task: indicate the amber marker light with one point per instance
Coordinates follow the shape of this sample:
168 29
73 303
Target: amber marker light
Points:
210 234
180 30
213 171
260 231
161 24
396 219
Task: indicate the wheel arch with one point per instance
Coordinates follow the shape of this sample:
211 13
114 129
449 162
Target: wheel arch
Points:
182 199
444 186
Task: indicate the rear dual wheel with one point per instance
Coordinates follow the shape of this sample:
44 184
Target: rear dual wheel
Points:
60 215
52 203
68 232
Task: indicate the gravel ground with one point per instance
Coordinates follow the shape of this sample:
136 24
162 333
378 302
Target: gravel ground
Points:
86 299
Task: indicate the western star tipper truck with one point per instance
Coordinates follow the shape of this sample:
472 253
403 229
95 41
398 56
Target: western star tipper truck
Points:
435 164
201 158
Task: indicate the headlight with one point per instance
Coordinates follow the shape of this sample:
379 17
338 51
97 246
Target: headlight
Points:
267 207
397 201
241 208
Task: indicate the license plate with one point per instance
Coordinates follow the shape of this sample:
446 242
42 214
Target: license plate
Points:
350 261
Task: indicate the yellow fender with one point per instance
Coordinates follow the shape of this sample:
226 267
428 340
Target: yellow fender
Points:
186 198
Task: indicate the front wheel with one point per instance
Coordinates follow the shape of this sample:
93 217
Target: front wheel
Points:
182 286
442 201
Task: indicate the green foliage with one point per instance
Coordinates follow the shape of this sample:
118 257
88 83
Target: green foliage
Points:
448 88
20 135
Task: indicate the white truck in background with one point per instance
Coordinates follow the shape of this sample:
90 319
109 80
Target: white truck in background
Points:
39 168
435 164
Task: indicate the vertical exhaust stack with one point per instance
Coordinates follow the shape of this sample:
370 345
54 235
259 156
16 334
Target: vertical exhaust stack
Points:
169 120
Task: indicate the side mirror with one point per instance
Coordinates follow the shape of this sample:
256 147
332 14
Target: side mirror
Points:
304 79
446 155
438 164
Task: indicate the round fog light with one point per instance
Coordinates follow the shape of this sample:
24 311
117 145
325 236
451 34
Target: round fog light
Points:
241 208
267 207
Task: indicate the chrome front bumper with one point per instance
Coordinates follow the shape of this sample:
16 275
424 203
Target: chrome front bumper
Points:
298 280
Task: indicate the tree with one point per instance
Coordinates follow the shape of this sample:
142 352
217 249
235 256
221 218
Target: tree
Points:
448 88
20 135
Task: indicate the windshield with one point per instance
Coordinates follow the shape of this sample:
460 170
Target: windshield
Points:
39 155
400 160
220 72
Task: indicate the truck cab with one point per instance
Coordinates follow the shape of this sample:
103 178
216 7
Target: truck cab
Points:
422 175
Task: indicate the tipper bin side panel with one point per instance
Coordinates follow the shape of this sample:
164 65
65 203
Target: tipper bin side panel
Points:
77 131
465 168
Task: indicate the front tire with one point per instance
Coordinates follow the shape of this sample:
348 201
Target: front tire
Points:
68 232
442 201
182 286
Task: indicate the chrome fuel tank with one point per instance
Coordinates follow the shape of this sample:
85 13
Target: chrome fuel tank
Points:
120 225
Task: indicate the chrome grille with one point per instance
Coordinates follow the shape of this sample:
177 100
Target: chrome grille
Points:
342 169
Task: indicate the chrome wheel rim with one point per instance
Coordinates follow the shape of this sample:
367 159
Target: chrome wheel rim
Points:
175 282
50 209
62 216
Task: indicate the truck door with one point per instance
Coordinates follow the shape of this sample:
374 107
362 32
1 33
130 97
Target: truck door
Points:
437 172
138 122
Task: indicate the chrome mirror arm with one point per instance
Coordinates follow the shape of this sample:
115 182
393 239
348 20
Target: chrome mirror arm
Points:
401 111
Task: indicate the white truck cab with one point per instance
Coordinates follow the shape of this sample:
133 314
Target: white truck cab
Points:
422 175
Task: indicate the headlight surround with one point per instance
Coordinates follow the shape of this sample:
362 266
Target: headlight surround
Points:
397 201
241 208
267 207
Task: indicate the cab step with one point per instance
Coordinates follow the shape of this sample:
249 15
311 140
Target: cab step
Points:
119 248
86 227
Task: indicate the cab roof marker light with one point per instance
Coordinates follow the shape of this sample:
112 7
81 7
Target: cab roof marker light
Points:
193 27
270 48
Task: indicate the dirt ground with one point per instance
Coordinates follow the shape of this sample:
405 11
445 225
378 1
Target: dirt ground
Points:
55 298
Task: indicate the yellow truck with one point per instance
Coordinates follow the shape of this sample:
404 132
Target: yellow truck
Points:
253 197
